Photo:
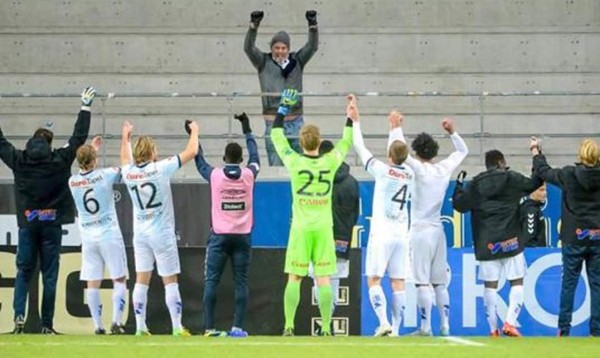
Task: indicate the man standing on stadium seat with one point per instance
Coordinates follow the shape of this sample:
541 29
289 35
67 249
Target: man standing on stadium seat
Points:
346 208
232 219
311 235
428 241
44 204
278 70
388 246
580 228
493 198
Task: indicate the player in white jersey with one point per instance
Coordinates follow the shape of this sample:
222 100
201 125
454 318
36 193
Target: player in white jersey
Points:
388 246
149 186
101 239
428 241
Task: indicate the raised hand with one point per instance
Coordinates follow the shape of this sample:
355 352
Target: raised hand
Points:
256 17
535 145
311 17
96 142
245 121
448 125
395 119
352 108
289 98
127 130
87 96
190 125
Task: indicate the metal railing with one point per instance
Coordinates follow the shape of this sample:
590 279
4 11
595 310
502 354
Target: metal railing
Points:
481 135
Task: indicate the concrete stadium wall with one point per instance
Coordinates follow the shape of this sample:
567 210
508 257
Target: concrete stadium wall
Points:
152 46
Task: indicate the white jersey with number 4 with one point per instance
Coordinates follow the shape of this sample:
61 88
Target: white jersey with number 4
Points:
93 195
149 187
393 186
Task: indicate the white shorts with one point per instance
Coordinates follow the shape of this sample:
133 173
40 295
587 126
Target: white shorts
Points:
387 255
99 254
343 269
160 249
429 255
513 268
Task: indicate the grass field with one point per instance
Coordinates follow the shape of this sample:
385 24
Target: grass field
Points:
305 347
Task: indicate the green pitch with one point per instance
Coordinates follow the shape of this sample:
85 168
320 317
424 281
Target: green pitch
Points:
303 347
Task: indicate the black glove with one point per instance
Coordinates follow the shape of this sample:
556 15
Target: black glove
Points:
245 121
311 16
256 17
187 126
460 178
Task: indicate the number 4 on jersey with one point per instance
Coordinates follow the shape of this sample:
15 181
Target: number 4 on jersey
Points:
400 196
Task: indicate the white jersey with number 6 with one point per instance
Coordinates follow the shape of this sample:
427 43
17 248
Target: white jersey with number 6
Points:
93 195
149 187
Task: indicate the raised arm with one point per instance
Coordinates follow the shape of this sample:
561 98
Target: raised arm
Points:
461 198
460 147
191 149
126 153
204 168
289 98
310 48
253 157
8 153
81 128
255 55
357 138
395 120
541 168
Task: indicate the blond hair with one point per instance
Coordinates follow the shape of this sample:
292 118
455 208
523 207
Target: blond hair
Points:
144 150
398 152
589 153
86 157
310 137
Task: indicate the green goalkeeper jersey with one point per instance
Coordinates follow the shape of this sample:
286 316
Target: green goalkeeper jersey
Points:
312 179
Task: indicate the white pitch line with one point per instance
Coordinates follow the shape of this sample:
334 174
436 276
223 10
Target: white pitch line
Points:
200 343
464 342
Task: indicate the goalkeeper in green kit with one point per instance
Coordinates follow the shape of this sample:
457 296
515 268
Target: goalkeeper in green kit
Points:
311 233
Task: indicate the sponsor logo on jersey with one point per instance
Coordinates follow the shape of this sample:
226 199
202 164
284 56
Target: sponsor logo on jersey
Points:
141 176
233 206
314 202
399 174
85 181
504 246
41 215
592 234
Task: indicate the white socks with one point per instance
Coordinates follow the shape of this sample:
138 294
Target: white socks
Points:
379 305
95 305
515 302
398 305
140 301
489 300
118 299
442 301
425 301
173 300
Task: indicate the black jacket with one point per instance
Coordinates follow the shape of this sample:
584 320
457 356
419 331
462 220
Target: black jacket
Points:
493 198
533 223
41 177
580 209
346 205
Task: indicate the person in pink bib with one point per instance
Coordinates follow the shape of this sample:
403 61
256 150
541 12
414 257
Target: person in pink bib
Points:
232 189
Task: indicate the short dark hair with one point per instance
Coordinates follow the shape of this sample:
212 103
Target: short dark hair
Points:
44 133
494 159
325 147
425 146
233 153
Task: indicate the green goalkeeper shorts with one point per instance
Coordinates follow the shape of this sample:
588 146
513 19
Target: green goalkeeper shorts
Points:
316 246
